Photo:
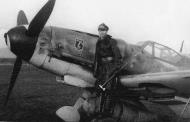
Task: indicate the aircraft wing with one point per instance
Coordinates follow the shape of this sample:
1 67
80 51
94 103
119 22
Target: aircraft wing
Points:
177 80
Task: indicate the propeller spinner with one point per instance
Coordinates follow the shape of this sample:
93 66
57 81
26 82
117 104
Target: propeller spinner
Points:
22 41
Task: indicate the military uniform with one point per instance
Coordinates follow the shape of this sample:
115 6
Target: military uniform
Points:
107 58
107 61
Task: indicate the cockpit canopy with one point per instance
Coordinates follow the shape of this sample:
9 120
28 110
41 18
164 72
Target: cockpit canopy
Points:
161 52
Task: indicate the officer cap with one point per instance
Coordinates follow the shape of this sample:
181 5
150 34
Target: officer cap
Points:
103 27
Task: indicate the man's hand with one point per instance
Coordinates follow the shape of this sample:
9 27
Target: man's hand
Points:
99 87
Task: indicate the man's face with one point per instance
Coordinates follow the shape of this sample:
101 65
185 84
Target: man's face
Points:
102 33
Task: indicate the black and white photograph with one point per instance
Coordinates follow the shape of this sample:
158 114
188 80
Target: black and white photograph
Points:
95 60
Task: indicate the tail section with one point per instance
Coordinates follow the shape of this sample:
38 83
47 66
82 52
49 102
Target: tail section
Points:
21 18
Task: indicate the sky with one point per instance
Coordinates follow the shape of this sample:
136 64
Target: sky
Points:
163 21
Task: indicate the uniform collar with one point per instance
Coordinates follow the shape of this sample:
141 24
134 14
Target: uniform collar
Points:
106 37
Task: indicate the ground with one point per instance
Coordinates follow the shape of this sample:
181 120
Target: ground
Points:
36 97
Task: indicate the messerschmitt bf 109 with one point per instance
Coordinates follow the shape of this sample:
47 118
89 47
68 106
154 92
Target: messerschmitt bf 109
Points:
146 75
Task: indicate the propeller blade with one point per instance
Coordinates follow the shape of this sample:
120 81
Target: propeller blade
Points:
21 18
40 19
14 75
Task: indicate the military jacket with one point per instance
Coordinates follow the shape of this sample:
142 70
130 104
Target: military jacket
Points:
106 47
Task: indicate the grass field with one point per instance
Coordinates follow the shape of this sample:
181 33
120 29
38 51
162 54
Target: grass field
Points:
36 96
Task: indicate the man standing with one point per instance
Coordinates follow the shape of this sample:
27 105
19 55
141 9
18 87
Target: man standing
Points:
107 55
107 61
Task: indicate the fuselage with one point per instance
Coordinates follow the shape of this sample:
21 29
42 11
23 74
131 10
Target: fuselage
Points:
69 52
79 48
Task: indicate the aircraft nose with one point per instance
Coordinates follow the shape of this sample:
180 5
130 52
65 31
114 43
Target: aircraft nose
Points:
19 43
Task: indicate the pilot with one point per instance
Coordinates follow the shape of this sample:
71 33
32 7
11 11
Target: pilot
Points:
107 54
107 61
